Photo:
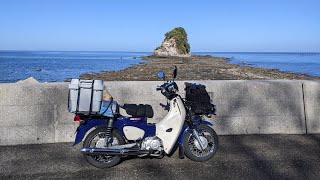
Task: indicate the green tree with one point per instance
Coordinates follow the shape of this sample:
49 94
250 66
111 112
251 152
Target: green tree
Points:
181 38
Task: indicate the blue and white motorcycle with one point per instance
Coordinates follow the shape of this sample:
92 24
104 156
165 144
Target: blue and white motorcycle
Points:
127 133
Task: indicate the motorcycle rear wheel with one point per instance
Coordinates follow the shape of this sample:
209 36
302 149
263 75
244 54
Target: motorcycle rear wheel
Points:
95 139
192 147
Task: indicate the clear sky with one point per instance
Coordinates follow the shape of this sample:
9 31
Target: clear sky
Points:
140 25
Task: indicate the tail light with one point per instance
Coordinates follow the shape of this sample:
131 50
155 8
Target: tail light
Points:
79 120
76 118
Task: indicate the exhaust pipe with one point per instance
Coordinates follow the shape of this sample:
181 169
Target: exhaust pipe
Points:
112 152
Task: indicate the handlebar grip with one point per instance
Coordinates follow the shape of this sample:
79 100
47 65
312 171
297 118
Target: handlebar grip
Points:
158 88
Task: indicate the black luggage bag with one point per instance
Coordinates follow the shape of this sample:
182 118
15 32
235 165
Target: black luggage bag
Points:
198 99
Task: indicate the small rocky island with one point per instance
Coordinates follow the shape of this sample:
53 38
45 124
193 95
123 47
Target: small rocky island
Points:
175 43
175 51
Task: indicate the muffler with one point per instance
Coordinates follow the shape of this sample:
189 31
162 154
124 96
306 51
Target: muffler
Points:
110 152
120 150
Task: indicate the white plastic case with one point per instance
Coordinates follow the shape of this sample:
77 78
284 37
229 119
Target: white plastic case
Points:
85 96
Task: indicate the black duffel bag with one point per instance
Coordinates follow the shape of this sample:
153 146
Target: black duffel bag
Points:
198 99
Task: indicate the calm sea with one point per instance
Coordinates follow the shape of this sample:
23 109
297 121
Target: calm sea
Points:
58 66
304 63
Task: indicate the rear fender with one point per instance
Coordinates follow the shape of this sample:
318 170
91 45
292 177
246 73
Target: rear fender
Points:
84 128
186 129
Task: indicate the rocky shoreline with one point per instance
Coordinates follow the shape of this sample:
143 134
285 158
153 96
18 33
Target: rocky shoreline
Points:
194 68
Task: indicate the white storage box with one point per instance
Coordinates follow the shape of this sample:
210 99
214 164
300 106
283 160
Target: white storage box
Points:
85 96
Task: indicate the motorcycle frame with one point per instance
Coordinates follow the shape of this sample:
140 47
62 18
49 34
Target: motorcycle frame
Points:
150 130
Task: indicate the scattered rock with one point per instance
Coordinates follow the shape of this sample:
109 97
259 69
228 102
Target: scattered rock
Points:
30 80
193 68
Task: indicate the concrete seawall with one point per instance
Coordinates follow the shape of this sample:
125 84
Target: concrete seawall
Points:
37 113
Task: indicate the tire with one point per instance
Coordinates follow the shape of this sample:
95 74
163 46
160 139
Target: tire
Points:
94 139
192 148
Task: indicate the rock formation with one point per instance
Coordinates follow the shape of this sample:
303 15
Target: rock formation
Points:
30 80
174 44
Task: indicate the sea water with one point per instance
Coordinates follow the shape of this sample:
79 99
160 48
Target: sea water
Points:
57 66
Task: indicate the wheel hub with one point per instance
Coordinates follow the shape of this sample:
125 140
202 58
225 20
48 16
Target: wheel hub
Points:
101 143
204 143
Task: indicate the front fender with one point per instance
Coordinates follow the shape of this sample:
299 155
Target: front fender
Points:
84 128
186 128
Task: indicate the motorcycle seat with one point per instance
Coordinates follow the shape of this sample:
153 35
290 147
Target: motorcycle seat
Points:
141 110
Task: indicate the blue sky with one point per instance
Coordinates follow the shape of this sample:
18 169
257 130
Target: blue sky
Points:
133 25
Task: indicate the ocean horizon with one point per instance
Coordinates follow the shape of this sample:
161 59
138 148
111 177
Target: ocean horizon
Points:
57 66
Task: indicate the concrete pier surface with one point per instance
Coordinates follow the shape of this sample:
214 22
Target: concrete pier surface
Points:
238 157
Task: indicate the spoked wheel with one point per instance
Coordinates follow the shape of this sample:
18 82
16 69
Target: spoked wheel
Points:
96 139
209 139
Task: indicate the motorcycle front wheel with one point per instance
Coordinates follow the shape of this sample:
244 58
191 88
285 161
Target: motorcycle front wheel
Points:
96 139
209 140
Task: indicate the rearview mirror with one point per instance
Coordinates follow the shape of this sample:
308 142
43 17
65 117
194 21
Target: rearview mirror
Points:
161 75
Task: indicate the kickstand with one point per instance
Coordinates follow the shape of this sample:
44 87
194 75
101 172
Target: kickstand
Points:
181 152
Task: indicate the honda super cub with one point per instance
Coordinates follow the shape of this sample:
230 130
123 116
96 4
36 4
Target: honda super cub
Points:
126 131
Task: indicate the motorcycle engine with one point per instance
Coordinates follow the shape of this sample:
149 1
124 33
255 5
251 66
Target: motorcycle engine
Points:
151 143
